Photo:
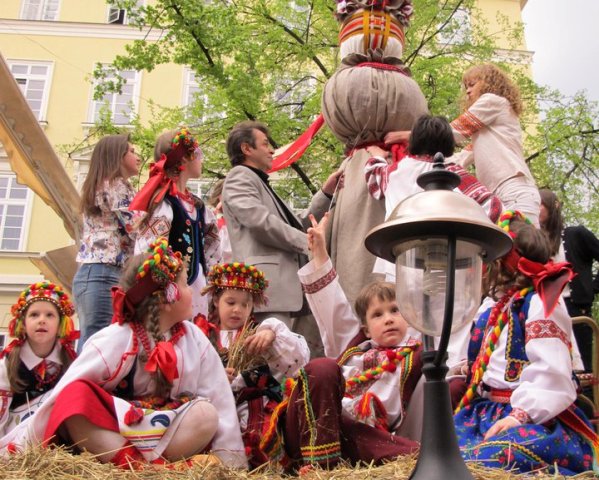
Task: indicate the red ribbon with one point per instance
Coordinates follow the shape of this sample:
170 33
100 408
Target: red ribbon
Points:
204 325
17 342
549 280
122 306
158 182
163 357
297 148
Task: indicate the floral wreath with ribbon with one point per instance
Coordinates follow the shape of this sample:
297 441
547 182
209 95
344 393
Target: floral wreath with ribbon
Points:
43 292
155 276
183 145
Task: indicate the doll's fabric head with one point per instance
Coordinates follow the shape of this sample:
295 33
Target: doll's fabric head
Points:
239 276
156 275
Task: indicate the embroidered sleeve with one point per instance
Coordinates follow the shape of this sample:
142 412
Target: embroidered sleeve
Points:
481 114
5 401
321 283
546 329
289 351
520 415
158 226
377 176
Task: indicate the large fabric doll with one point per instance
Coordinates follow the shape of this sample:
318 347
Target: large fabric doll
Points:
371 94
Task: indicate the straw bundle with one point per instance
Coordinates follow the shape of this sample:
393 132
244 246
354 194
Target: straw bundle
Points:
57 463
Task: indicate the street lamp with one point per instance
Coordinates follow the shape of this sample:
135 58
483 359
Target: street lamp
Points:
438 240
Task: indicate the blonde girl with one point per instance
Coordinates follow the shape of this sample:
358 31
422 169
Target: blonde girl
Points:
108 235
33 363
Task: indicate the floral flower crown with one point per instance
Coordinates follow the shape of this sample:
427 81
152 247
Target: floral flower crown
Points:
237 275
43 292
183 144
157 275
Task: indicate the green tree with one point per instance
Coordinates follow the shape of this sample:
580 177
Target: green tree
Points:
269 61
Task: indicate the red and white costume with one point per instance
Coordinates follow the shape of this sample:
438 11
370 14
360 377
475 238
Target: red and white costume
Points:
288 353
341 329
110 358
11 416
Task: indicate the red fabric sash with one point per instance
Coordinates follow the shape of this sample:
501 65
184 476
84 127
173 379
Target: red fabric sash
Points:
294 152
158 182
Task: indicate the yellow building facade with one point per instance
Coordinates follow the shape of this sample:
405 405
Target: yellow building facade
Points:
51 48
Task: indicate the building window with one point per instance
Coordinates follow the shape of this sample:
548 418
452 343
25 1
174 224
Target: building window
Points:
119 15
121 105
39 10
13 206
192 94
458 30
34 81
191 87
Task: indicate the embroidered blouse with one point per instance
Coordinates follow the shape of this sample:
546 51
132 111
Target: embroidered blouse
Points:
109 237
494 129
49 368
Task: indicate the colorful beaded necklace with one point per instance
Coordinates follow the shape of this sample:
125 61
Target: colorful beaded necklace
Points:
389 364
497 320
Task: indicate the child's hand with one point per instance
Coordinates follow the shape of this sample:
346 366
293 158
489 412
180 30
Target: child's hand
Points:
375 151
260 342
500 426
397 137
316 239
230 374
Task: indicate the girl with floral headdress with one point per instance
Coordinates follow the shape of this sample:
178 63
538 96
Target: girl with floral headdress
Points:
149 388
33 363
257 357
518 411
174 212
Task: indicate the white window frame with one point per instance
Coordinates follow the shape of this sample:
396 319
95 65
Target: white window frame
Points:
200 187
41 115
43 8
27 203
96 105
114 14
190 87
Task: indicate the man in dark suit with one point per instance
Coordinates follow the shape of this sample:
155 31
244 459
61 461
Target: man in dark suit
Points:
262 228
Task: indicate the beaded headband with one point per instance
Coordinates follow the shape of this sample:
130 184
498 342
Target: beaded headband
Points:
155 276
237 275
43 292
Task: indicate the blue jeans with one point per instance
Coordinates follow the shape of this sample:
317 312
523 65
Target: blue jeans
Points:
91 294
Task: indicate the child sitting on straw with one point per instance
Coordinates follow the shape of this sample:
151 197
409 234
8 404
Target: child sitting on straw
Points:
33 363
149 387
257 356
518 412
349 406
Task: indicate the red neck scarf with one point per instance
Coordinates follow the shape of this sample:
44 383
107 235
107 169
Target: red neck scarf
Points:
155 188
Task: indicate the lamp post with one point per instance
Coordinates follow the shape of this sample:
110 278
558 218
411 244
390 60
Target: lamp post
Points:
438 240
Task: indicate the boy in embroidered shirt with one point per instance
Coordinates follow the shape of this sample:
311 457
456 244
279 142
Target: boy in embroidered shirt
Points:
356 404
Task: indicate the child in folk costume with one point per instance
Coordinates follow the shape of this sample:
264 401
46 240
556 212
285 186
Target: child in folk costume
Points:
395 181
33 363
492 106
519 412
350 405
257 357
174 212
149 387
